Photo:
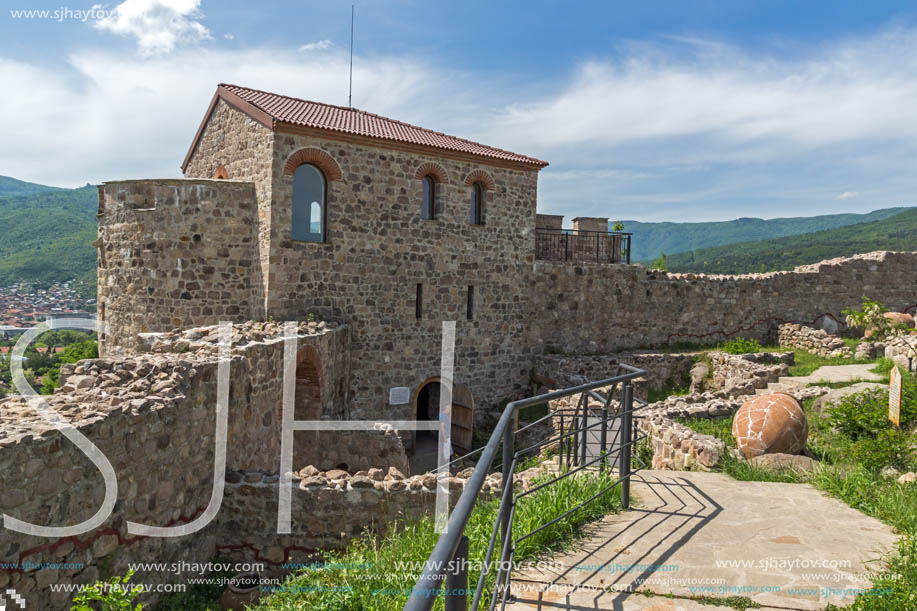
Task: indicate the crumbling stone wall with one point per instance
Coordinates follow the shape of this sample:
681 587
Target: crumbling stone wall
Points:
592 308
816 341
153 415
174 253
329 508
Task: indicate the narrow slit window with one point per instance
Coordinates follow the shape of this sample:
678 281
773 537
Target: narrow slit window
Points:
428 206
477 204
470 312
418 303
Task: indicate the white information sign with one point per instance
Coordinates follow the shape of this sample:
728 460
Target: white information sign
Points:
399 395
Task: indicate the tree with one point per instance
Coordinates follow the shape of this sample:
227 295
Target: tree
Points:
661 264
871 316
618 226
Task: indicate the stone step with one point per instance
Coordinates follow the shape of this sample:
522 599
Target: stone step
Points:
792 380
775 387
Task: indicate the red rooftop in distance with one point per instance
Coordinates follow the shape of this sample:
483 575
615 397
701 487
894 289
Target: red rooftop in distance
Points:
275 110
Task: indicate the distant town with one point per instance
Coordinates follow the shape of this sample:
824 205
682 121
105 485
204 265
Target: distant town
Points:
23 306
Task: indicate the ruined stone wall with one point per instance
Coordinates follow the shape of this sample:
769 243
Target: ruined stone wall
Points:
153 415
234 142
816 341
379 249
328 510
174 253
592 308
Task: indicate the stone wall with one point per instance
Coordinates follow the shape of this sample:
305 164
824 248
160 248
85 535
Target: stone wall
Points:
663 369
236 143
328 510
153 416
594 308
379 249
816 341
174 253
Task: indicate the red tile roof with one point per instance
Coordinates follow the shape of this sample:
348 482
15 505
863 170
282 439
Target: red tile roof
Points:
294 111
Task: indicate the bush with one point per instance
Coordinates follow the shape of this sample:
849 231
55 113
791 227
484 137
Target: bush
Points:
889 448
114 595
741 345
865 415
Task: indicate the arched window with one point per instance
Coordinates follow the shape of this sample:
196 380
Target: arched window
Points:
428 207
477 204
308 204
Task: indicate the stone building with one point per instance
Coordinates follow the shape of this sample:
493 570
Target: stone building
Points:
295 210
292 210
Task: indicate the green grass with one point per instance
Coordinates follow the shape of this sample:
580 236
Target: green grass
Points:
721 428
661 394
412 542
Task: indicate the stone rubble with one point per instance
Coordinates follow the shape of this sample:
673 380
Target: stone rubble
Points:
816 341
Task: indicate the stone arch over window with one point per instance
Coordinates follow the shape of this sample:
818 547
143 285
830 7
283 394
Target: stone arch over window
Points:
482 177
221 173
318 158
432 169
308 402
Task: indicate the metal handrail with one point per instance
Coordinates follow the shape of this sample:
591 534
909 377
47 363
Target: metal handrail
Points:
583 245
444 553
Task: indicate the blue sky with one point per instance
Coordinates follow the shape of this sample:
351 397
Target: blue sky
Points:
650 111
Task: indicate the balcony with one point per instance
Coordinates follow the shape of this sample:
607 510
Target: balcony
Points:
552 244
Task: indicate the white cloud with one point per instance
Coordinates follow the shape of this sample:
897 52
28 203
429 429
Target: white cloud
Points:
684 130
316 46
848 195
228 36
158 25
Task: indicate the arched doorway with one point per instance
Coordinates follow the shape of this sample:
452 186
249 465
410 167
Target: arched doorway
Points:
426 408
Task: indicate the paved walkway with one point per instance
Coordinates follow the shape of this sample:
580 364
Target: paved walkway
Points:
707 526
827 374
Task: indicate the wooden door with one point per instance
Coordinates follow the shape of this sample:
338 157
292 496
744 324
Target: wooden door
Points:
462 419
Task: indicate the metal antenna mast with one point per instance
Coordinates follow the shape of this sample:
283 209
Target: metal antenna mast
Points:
350 93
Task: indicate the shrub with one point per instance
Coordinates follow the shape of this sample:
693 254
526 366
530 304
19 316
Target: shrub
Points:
889 448
865 415
115 595
741 345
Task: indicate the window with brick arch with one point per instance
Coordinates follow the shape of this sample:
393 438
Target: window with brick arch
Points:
309 204
428 206
477 204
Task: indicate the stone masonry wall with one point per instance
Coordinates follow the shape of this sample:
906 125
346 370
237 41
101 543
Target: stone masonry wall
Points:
816 341
593 308
174 253
233 141
379 249
328 510
153 417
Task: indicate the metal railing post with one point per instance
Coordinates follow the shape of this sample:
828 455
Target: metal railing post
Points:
509 437
603 463
583 423
627 404
457 579
628 249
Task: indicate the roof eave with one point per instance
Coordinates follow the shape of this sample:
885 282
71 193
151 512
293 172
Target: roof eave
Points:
236 102
391 143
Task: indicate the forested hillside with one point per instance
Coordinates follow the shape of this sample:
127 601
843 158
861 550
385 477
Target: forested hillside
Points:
11 187
47 235
898 232
652 239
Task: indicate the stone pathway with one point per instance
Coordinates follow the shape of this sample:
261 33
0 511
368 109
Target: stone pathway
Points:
723 532
826 374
